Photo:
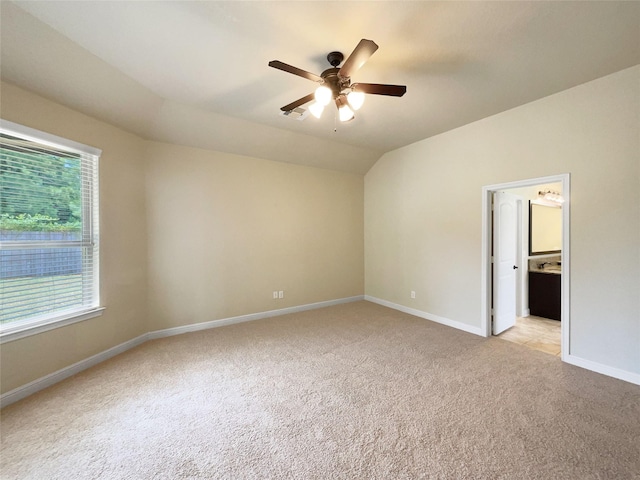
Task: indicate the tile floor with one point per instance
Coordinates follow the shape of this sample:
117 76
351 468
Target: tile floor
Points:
535 332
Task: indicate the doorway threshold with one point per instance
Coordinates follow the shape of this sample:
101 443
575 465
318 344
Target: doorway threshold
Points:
536 333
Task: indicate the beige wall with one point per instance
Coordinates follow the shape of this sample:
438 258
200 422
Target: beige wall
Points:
192 235
123 266
423 211
226 231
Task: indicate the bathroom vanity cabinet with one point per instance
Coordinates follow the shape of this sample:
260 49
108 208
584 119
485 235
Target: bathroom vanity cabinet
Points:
545 294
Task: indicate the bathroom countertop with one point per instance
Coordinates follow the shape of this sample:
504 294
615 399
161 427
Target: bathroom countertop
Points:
551 269
549 264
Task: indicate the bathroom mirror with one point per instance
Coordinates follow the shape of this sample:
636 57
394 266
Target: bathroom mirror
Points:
545 229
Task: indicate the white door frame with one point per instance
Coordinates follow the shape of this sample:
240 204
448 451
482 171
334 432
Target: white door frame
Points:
522 299
486 287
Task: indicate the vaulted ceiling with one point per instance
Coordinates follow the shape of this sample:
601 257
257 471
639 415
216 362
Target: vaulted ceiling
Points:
195 73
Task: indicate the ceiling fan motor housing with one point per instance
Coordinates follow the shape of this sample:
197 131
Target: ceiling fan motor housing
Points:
331 77
335 58
334 81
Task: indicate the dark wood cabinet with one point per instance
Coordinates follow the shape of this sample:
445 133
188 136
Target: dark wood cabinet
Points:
545 295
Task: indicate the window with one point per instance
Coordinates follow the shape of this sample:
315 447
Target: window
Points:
48 231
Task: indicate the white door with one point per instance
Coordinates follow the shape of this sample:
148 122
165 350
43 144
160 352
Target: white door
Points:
504 261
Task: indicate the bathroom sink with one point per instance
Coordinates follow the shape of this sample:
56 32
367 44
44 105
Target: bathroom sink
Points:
546 265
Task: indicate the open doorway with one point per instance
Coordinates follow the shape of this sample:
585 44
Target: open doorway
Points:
507 271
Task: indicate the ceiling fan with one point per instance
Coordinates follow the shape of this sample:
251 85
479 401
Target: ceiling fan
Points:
335 83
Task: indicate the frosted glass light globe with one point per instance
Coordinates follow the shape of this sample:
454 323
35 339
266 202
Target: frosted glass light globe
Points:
316 109
355 99
345 113
323 95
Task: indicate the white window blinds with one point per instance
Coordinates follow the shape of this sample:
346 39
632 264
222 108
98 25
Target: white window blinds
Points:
48 228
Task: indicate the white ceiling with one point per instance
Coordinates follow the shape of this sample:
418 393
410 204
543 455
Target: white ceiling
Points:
196 73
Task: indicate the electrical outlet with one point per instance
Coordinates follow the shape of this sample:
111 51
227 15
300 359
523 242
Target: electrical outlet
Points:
413 294
281 294
275 294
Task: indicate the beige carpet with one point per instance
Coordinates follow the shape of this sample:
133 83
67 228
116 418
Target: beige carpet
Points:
355 391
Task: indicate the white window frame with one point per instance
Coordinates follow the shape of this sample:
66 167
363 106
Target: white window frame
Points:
31 326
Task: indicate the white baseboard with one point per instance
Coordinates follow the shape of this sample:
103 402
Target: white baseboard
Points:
55 377
168 332
571 359
603 369
41 383
428 316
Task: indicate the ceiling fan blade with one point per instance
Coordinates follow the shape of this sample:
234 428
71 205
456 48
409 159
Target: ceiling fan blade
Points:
297 103
296 71
358 57
380 89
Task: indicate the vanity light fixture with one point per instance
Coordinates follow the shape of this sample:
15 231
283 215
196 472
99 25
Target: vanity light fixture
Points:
553 197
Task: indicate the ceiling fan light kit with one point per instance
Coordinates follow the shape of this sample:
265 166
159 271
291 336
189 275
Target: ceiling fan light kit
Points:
316 109
335 83
345 113
323 95
355 99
